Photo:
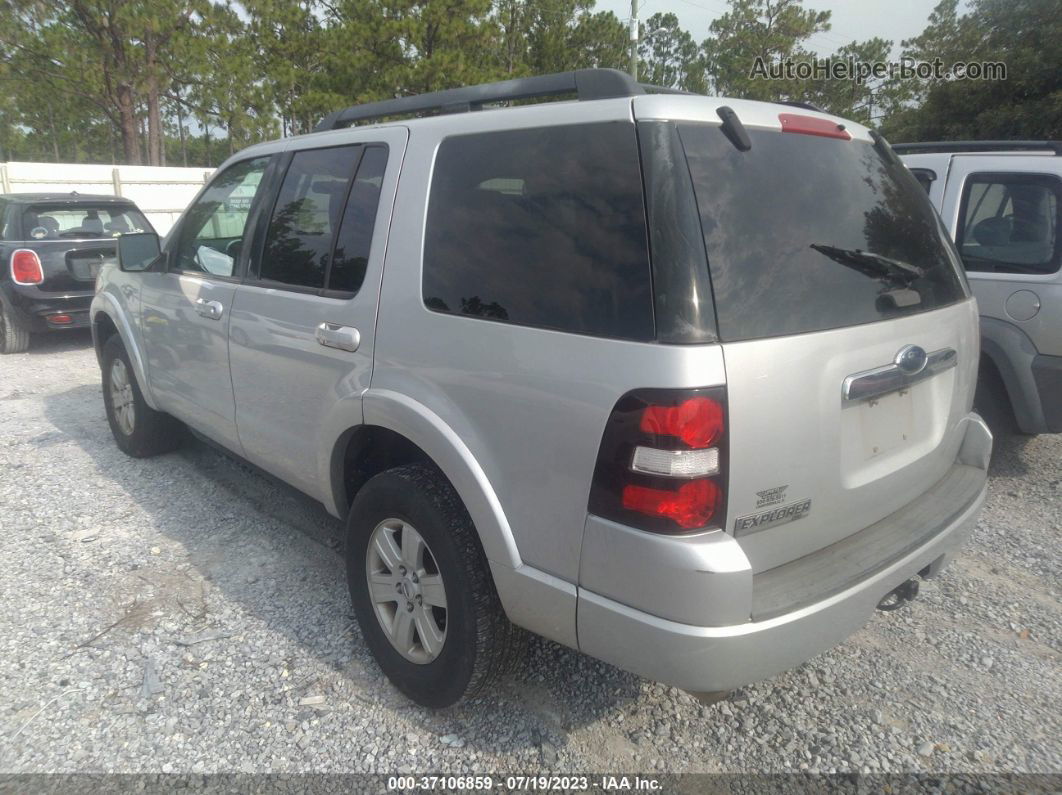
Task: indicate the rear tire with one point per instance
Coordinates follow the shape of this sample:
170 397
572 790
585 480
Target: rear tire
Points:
13 337
416 508
138 429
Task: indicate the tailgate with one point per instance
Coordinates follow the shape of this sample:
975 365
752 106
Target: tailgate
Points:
84 262
849 337
808 467
73 265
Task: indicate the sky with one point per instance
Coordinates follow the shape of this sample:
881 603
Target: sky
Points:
851 20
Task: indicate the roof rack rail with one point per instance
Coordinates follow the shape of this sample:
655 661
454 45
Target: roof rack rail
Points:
978 146
586 84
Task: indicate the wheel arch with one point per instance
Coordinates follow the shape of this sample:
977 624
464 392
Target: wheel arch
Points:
1011 353
398 430
108 318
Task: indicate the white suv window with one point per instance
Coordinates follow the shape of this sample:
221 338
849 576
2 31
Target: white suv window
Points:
1009 223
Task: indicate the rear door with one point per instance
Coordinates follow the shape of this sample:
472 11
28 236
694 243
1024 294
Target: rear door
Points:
834 283
185 308
304 321
1005 213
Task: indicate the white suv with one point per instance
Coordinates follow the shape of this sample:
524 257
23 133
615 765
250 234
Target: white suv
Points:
1002 202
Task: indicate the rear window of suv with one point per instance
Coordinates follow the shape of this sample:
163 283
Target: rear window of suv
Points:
806 233
541 227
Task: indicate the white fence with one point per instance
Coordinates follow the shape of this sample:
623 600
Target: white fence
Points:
161 193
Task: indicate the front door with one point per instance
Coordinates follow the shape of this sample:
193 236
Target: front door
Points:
303 322
186 307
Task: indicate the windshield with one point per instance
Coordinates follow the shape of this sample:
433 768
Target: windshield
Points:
806 233
81 221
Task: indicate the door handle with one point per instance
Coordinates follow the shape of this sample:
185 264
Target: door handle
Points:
209 309
332 335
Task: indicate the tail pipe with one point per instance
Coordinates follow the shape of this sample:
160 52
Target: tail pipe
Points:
899 596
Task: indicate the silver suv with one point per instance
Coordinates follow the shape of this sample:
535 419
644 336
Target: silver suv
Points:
681 383
1002 203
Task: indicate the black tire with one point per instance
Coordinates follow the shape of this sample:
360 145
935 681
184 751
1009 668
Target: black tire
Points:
153 432
13 337
481 644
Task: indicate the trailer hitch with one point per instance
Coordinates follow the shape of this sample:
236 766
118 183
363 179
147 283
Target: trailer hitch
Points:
899 596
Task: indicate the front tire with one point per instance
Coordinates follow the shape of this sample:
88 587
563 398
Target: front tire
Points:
422 590
138 429
13 337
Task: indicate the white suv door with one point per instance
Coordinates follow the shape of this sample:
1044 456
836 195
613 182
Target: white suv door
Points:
185 308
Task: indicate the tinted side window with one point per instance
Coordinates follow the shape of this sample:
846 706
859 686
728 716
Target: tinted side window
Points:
211 233
299 240
359 216
542 227
1009 223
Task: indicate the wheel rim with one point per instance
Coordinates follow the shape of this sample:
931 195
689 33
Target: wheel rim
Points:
406 590
122 397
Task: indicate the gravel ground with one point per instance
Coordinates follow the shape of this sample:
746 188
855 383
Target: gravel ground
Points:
184 614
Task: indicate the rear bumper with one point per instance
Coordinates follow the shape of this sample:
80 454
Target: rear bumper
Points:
728 655
34 309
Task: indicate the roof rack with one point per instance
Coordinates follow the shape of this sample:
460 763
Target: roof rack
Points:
978 146
586 84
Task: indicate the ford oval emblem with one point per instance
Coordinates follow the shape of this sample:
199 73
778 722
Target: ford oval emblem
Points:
911 359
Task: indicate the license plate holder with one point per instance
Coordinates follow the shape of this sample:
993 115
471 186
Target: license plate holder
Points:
887 423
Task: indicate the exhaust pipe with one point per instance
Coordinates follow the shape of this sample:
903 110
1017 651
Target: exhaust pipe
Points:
899 596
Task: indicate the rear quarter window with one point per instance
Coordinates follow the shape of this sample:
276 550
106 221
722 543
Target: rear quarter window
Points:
541 227
806 233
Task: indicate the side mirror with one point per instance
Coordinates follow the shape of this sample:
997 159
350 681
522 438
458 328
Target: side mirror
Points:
136 252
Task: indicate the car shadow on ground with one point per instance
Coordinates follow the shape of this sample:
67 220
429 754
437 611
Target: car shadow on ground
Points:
276 554
1008 454
59 342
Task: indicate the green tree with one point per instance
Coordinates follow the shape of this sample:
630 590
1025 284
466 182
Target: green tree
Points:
760 31
865 100
669 56
1022 34
568 34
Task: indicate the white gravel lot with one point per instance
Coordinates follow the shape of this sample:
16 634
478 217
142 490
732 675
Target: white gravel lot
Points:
184 614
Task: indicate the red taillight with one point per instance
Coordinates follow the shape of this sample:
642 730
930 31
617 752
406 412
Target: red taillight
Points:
693 505
60 320
812 125
26 267
662 465
697 422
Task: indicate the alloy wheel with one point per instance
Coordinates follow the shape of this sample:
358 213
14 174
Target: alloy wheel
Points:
122 397
406 590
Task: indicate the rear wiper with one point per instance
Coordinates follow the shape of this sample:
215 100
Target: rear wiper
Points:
876 265
733 129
